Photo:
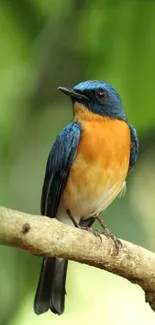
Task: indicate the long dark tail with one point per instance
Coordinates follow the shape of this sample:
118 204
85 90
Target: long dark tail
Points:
51 292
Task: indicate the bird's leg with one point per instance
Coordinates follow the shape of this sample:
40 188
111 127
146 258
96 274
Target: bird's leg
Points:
109 234
72 218
88 228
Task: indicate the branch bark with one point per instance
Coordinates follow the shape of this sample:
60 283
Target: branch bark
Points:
47 237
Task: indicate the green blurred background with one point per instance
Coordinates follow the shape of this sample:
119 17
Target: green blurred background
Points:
45 44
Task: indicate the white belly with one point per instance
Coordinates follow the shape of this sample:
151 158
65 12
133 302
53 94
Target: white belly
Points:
83 209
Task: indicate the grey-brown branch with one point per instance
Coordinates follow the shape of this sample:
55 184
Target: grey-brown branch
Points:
47 237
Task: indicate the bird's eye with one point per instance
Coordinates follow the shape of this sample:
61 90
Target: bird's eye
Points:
101 94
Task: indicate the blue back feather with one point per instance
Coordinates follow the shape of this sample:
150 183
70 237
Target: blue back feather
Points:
59 163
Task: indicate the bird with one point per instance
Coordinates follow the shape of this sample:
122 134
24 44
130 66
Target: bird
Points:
86 170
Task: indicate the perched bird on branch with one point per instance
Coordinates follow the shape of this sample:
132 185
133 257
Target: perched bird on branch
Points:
86 169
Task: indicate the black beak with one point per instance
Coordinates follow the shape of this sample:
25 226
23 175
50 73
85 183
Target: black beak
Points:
72 93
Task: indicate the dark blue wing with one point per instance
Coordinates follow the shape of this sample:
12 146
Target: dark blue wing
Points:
59 163
134 148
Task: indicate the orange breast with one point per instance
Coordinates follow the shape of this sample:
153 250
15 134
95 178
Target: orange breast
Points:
100 168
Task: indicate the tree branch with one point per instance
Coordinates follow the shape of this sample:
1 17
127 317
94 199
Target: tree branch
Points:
47 237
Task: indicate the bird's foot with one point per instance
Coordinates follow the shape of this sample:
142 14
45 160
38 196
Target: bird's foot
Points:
109 234
93 231
116 241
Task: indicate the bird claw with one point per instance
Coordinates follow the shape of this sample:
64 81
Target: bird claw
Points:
116 241
95 232
109 234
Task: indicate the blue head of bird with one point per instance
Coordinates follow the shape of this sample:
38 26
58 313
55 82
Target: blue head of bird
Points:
98 97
